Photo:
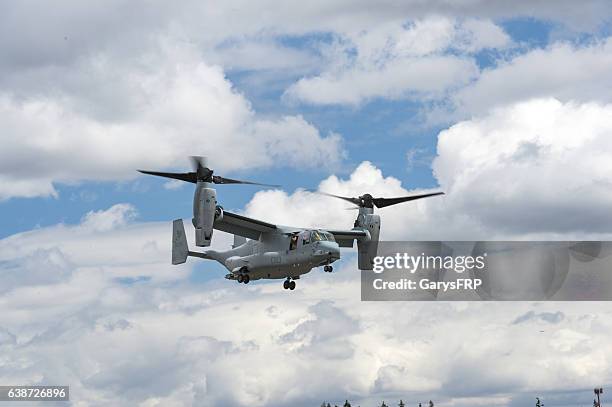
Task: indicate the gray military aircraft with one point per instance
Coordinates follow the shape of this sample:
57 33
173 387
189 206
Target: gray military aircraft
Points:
262 250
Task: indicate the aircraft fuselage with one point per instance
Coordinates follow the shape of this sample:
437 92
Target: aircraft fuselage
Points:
279 255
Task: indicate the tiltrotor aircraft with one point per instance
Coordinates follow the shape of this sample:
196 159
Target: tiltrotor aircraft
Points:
262 250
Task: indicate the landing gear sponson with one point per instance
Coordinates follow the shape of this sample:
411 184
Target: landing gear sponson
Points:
242 276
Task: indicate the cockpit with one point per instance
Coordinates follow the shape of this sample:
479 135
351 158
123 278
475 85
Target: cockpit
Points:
310 236
319 235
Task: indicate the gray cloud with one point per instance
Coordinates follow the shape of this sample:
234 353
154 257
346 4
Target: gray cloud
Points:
6 337
121 324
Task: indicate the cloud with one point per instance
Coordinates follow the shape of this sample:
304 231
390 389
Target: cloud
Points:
245 54
75 30
104 220
98 306
326 335
422 60
170 341
40 266
581 76
157 92
315 210
433 61
505 175
167 109
123 249
422 78
509 172
423 219
174 184
417 157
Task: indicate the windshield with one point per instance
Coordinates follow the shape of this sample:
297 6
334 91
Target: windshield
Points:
316 236
322 236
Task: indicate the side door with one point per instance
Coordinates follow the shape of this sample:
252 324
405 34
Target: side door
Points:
305 246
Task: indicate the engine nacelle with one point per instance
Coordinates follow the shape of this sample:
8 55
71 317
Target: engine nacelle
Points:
367 249
204 210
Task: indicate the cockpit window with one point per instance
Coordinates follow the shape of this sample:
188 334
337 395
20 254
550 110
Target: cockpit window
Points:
317 236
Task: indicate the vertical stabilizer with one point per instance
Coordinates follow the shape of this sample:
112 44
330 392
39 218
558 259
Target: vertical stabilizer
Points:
238 241
180 250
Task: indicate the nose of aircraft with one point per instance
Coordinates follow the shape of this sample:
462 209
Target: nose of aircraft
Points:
330 250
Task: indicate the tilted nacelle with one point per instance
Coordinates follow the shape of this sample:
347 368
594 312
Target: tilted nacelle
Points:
204 209
367 248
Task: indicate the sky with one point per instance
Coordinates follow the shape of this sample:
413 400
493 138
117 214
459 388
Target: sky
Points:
504 106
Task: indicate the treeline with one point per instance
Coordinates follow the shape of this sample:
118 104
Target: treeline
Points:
400 404
539 403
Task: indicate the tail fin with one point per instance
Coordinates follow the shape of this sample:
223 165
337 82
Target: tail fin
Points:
180 250
238 241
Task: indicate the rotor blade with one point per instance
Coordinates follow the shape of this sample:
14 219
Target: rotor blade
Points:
355 201
183 176
222 180
382 202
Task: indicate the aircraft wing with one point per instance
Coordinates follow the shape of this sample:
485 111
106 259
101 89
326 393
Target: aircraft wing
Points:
243 226
345 237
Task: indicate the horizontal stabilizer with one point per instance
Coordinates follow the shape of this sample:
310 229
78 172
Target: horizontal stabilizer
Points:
180 250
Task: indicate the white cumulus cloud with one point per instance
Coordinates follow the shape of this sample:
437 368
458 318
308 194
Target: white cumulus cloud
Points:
169 105
170 341
537 166
562 70
397 60
517 172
